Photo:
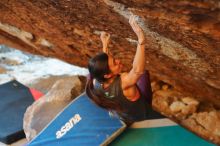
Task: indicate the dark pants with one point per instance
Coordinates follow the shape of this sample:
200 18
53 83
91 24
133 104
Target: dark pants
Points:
144 86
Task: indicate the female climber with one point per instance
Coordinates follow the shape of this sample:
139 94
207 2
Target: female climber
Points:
126 93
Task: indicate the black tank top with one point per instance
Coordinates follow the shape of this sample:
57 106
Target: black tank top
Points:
132 110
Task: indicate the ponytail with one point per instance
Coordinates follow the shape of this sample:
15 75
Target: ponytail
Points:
100 99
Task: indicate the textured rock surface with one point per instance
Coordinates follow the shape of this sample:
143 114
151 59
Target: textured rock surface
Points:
42 111
183 37
197 116
45 84
2 70
183 46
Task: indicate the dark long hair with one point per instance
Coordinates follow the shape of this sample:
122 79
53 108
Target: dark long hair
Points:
98 67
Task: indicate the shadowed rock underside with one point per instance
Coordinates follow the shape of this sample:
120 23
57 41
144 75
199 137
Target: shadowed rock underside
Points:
183 37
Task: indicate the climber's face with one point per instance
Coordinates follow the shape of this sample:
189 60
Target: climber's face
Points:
114 65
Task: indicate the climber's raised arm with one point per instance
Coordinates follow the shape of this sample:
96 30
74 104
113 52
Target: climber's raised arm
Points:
138 68
105 38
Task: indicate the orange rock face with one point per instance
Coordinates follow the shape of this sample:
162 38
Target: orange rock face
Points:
183 37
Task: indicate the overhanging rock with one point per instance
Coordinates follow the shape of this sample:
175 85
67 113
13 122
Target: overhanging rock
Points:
183 37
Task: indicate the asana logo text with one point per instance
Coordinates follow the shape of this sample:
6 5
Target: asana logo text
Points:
69 125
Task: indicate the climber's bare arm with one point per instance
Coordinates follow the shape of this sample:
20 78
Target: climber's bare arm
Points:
105 38
130 79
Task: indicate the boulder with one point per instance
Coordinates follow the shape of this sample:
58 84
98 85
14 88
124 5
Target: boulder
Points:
182 37
42 111
200 117
2 70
